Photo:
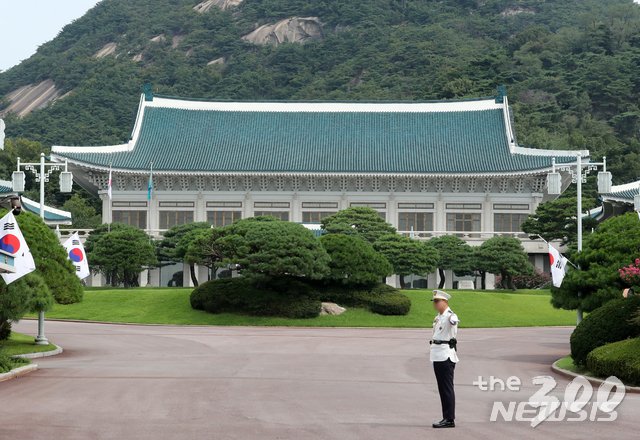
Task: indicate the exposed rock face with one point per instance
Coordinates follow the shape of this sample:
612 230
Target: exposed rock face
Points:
107 49
222 4
32 97
290 30
176 40
516 11
159 39
331 309
217 61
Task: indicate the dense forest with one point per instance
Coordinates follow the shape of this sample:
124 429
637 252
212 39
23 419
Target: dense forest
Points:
570 66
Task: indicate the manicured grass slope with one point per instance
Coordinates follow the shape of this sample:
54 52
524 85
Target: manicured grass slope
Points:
21 344
171 306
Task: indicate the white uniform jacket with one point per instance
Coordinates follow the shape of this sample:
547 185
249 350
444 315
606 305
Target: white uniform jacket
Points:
445 327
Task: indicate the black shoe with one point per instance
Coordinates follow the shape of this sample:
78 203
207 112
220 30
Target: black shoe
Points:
444 423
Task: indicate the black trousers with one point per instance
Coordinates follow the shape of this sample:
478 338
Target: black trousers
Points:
444 377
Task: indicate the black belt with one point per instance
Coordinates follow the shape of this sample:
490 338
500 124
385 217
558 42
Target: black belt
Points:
452 343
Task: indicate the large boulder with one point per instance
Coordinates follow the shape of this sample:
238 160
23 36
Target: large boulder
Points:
328 308
222 4
289 30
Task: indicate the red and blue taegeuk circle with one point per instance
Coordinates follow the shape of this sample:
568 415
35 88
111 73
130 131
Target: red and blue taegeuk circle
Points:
10 243
76 255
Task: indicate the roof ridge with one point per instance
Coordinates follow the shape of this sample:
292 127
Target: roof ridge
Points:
323 101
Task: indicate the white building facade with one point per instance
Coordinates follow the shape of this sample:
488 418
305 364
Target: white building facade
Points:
428 168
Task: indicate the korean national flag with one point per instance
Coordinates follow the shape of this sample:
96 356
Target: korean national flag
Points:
12 242
75 252
558 265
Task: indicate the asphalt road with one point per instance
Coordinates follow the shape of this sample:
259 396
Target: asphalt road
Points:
162 382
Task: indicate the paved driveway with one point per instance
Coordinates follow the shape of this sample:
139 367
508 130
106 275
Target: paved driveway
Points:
136 382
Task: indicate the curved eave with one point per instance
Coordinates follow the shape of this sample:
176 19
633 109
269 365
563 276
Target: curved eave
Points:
52 216
617 199
100 168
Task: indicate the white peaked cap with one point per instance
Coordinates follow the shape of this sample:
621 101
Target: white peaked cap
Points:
440 294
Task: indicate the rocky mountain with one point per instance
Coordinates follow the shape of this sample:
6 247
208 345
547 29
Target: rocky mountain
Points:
570 66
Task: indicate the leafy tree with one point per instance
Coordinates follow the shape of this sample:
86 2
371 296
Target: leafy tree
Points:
206 248
122 254
354 261
52 261
273 248
361 221
175 243
506 257
556 220
407 256
84 215
455 254
614 244
27 294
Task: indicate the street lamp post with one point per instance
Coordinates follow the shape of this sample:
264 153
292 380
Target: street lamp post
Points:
579 172
42 170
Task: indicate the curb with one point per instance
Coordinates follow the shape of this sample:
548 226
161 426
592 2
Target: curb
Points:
42 354
593 380
18 372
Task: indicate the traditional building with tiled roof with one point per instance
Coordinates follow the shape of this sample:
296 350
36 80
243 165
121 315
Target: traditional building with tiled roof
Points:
429 168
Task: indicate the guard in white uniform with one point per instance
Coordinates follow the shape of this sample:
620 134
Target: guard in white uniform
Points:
444 356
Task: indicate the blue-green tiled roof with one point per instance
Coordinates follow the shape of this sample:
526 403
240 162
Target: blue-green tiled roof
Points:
5 187
625 193
51 215
177 139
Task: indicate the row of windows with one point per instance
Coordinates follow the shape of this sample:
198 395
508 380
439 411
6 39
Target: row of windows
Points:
407 221
330 205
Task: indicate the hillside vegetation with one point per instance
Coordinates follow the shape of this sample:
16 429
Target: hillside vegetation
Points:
570 66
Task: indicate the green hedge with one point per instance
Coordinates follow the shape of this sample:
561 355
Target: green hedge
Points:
610 323
290 299
393 304
620 359
7 363
380 298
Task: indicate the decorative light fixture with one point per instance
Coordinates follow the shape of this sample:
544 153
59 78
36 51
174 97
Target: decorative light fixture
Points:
554 180
17 181
604 178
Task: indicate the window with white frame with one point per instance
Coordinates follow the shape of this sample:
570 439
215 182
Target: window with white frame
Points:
137 218
463 222
223 218
169 219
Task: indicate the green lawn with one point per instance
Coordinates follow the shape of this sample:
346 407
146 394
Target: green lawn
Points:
21 344
171 306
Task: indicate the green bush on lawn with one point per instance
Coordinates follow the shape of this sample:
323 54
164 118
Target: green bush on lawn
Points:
7 363
610 323
380 298
620 359
289 299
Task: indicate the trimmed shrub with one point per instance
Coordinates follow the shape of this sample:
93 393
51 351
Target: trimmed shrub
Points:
535 280
610 323
380 298
7 363
249 296
620 359
394 304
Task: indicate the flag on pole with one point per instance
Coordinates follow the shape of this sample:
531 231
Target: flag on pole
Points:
75 252
150 184
109 185
558 265
12 241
